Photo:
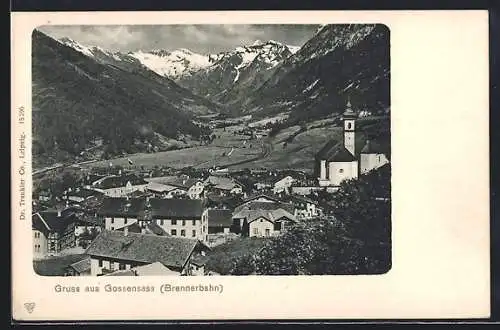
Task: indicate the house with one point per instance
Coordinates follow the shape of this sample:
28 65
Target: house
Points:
150 228
193 187
373 156
115 250
120 185
223 186
120 211
264 202
304 208
79 195
159 190
181 217
339 161
154 269
79 268
219 221
44 196
283 185
53 231
263 223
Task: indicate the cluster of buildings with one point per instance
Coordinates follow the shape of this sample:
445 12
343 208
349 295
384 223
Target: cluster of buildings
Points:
163 224
131 225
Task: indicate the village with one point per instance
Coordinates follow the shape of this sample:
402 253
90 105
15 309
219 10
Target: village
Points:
121 221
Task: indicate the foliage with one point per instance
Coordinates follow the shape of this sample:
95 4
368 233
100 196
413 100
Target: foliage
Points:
223 258
355 241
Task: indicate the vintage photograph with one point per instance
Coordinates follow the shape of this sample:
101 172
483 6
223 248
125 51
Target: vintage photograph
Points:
206 150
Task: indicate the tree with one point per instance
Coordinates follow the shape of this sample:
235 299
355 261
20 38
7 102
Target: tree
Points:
245 228
355 241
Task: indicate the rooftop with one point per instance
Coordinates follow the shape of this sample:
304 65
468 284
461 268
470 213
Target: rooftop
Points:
176 208
52 221
219 218
147 248
122 206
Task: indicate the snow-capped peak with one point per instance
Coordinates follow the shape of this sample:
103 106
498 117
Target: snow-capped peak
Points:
172 64
76 45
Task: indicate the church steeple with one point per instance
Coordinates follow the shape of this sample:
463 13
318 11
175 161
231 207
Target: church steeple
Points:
349 127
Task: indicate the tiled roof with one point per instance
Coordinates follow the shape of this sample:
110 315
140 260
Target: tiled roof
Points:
154 269
121 206
176 208
219 218
159 187
220 182
255 205
184 183
147 248
81 266
272 216
125 272
84 193
119 181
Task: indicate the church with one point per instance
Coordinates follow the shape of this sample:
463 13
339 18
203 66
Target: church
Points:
347 159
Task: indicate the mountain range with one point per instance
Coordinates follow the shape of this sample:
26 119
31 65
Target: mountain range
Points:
263 79
80 102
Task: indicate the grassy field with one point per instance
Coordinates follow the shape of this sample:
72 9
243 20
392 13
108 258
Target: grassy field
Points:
291 148
222 256
215 153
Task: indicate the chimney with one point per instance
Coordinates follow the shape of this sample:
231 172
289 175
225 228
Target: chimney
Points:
125 231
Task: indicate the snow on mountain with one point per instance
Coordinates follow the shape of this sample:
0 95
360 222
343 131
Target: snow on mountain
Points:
172 64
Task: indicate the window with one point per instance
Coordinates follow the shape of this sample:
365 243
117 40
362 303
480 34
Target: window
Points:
268 232
121 266
277 225
161 222
194 222
183 232
341 170
174 222
112 228
111 265
125 221
203 228
194 233
349 125
173 232
112 220
183 222
256 231
100 263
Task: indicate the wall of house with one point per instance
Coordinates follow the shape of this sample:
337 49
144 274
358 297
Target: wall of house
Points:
194 228
305 190
340 171
372 161
258 228
39 244
67 239
112 223
196 190
283 184
98 264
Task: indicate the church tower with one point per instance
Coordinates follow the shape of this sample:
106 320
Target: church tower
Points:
349 128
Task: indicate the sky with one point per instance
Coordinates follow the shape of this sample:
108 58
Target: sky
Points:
205 39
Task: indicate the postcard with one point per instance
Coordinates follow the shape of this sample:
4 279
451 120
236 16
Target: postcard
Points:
250 165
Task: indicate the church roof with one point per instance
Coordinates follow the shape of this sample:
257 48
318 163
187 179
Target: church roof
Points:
335 151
